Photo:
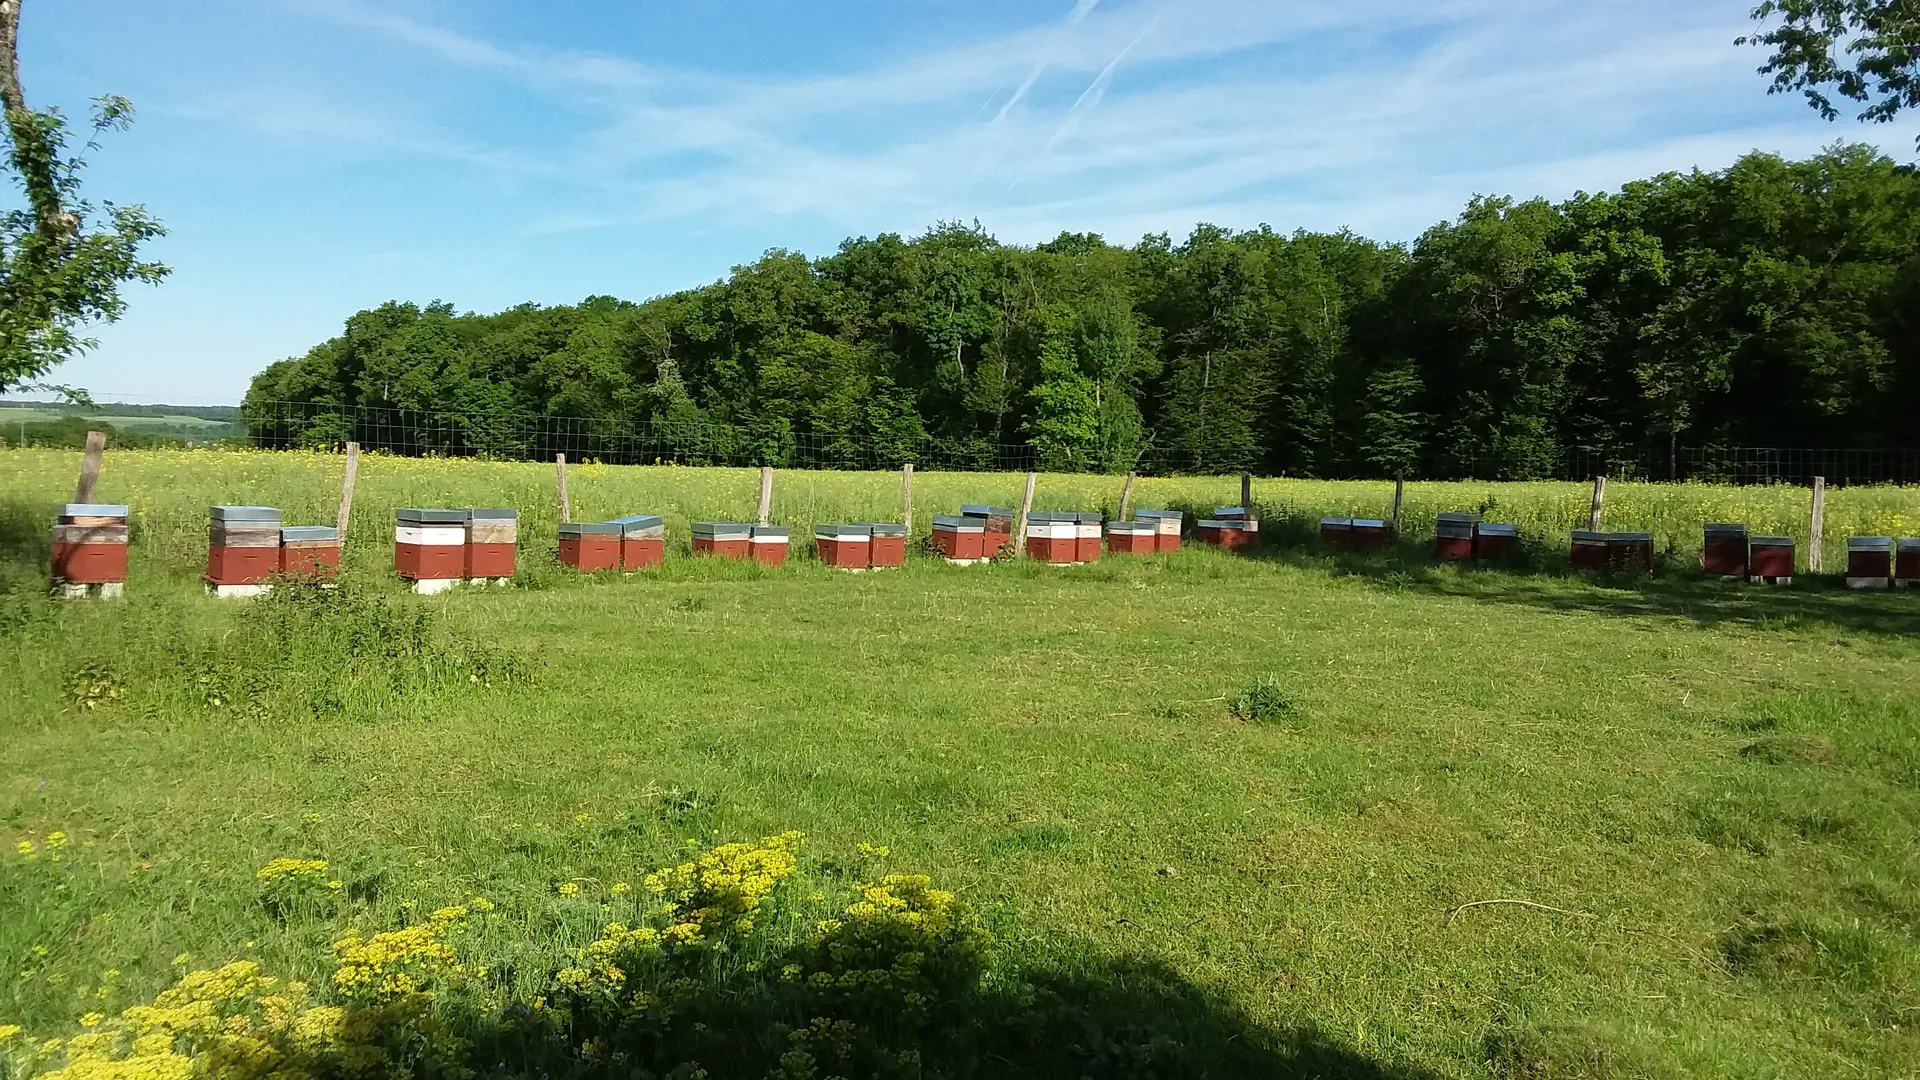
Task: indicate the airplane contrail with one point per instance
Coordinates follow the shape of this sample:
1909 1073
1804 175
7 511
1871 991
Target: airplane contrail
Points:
1081 9
1089 98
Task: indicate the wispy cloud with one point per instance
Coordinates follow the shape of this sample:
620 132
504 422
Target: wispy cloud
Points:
1232 104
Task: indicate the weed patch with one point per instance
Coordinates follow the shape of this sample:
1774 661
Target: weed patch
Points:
1265 700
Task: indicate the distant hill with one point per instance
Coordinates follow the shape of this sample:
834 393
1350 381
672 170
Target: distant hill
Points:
226 414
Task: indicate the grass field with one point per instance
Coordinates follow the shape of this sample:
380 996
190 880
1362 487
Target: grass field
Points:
1227 809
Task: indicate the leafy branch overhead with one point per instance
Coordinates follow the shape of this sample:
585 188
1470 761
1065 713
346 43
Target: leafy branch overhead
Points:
1867 51
62 258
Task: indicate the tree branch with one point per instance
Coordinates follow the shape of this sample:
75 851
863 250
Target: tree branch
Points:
33 152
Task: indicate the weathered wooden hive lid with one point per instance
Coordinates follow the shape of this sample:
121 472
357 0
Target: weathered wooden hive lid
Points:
1773 541
770 532
299 533
1336 523
722 529
1587 536
885 528
635 522
1369 523
1487 529
844 532
590 528
1869 543
498 513
1458 518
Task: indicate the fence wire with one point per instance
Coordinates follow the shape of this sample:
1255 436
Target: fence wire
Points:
508 435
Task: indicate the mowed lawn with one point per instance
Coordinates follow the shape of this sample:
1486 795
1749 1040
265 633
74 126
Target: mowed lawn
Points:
1710 791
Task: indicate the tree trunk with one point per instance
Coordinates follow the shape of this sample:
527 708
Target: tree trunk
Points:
29 151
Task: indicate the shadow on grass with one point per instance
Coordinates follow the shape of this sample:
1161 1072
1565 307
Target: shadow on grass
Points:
1134 1019
1540 578
26 542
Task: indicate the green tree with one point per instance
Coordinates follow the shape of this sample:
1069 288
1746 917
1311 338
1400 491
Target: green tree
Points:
1867 51
62 259
1065 424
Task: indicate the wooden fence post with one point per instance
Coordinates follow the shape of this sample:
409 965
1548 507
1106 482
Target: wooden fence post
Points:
1126 496
347 480
906 494
766 492
1399 496
1599 503
90 466
1816 560
1246 493
566 506
1020 523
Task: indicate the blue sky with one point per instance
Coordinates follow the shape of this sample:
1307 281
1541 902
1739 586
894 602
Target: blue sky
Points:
314 157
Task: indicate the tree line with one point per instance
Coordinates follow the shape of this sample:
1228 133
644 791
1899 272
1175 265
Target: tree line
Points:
1773 303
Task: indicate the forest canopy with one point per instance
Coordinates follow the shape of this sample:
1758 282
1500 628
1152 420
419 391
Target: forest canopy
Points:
1773 303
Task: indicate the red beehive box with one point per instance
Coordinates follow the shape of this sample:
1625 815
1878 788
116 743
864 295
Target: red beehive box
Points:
1086 534
997 525
961 538
430 545
1225 535
312 560
1589 551
1453 537
844 547
1724 550
590 546
1166 525
90 564
726 539
1772 557
493 537
1132 538
90 545
1336 532
769 544
1869 562
1371 534
643 541
1906 560
243 545
889 545
1630 551
1495 543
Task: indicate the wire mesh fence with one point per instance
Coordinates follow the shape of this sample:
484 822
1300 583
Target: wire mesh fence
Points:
511 435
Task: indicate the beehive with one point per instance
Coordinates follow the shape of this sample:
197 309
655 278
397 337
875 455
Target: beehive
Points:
590 546
1630 551
1453 537
1589 551
844 547
643 541
1166 525
1495 542
243 546
493 537
1370 534
1724 550
1771 558
997 527
727 539
1869 562
1906 561
889 545
1132 537
90 547
310 552
1224 534
1336 532
769 544
960 538
430 545
1244 517
1086 533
